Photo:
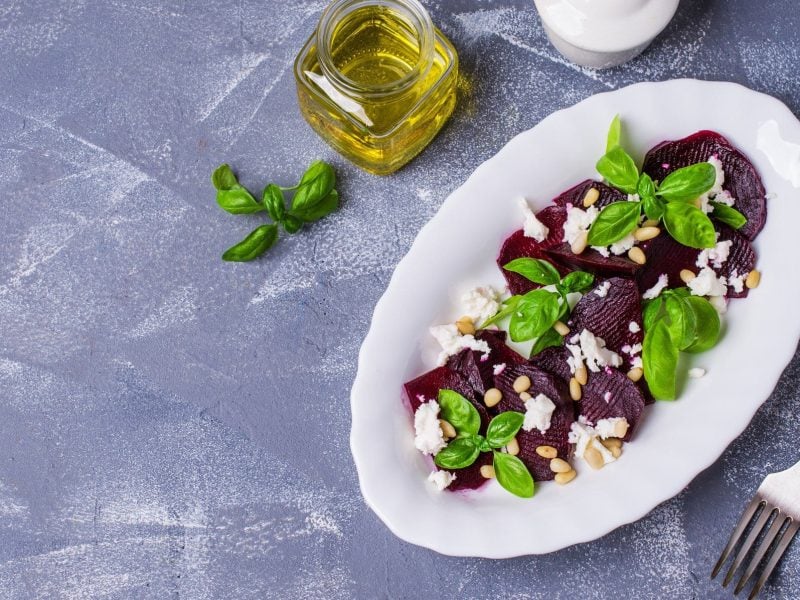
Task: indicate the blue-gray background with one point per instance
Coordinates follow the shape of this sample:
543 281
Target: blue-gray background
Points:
174 426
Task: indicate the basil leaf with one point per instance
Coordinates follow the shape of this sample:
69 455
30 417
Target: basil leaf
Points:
688 225
513 475
614 134
328 205
708 325
548 339
254 245
682 321
652 311
537 270
459 453
645 188
291 224
614 222
238 201
273 201
503 428
459 412
223 178
688 183
483 445
653 207
660 361
314 187
619 170
535 313
728 215
509 306
577 281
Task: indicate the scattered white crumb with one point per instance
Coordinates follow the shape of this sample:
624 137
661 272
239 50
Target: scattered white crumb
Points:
696 372
661 284
441 479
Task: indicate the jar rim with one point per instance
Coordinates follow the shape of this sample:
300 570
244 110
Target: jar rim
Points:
337 10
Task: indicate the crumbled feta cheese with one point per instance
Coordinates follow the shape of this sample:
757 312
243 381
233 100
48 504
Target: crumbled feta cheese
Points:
452 342
583 435
623 245
719 303
533 227
429 438
633 198
575 361
481 303
696 372
607 397
593 352
602 251
634 327
716 193
636 362
632 350
708 284
612 427
578 221
441 479
538 412
653 292
499 368
716 255
602 289
736 281
724 197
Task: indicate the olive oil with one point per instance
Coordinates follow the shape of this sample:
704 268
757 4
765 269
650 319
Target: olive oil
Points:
377 81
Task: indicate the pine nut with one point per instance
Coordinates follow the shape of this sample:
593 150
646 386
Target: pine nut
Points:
580 243
565 478
616 452
492 397
593 458
646 233
448 430
637 256
559 465
525 396
621 428
487 471
635 374
687 275
582 375
575 389
522 384
591 196
753 279
611 443
465 326
561 328
546 451
512 447
650 223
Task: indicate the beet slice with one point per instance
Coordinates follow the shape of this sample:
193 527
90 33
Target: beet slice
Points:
625 399
575 194
741 178
592 261
478 372
554 361
557 435
741 258
470 478
667 257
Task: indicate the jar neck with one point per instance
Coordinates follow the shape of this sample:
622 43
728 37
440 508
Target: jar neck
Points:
410 13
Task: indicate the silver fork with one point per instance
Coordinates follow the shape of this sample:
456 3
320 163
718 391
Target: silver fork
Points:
777 498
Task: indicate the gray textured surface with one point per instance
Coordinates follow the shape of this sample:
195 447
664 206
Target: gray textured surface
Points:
172 426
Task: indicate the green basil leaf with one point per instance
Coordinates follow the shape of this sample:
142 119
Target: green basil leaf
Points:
238 201
317 182
223 178
513 475
651 311
660 361
328 205
254 245
459 453
273 201
503 428
708 325
614 222
619 170
483 445
291 224
653 207
535 313
537 270
509 306
682 321
548 339
688 225
577 281
459 412
688 183
645 188
614 134
728 215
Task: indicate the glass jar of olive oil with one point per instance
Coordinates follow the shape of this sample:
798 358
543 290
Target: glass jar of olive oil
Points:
377 81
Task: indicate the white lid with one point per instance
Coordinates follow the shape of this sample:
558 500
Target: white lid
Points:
607 25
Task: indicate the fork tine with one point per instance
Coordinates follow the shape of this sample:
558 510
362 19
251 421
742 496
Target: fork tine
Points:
747 515
773 560
763 547
744 550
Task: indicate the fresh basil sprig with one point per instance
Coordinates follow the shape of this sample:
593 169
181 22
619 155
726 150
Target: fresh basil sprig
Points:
314 198
465 448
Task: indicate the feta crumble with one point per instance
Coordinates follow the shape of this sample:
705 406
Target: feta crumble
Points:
583 435
533 227
708 284
602 289
612 427
593 352
452 342
716 193
538 412
429 438
719 303
661 284
441 479
736 281
636 363
697 372
481 303
618 247
578 221
499 368
634 327
716 255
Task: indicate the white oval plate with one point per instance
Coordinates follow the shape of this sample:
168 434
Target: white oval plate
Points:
457 249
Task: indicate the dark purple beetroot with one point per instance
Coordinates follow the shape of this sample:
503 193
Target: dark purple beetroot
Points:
429 385
625 399
470 478
574 195
741 178
554 361
480 373
592 261
563 416
667 257
741 258
609 316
